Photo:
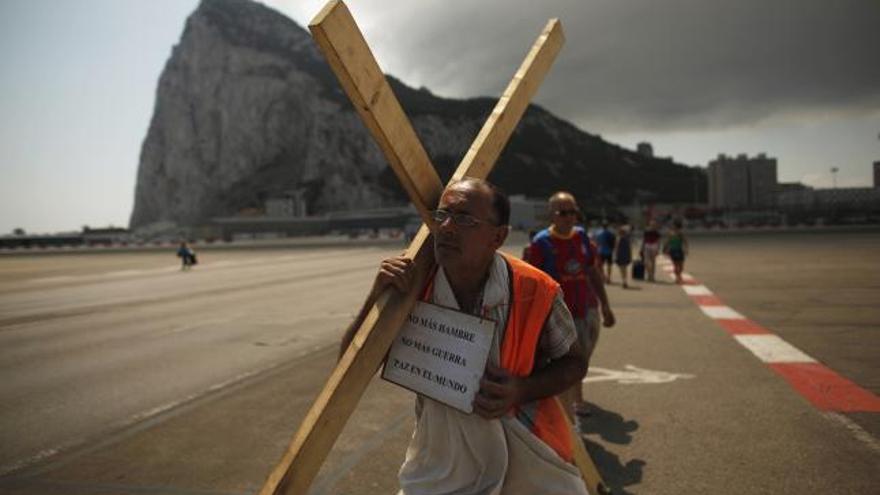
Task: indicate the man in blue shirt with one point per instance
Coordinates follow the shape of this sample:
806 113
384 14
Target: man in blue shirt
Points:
605 240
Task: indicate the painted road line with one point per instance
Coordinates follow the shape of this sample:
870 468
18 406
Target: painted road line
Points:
825 389
721 313
711 300
143 418
696 290
856 430
632 375
743 327
771 348
124 273
97 277
44 280
222 263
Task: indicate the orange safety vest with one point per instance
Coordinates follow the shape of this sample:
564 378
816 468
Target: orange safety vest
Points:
532 295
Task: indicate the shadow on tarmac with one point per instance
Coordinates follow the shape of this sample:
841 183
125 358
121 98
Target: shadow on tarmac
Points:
612 428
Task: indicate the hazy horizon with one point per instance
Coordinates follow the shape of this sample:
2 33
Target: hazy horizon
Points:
795 80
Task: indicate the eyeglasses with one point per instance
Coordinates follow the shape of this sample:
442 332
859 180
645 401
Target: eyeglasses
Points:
459 219
565 213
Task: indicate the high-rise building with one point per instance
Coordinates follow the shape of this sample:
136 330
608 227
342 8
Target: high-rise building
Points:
742 182
877 174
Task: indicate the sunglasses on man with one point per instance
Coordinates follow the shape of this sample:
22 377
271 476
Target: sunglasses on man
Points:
565 213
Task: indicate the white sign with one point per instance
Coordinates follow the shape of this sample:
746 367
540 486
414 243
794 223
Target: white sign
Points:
441 353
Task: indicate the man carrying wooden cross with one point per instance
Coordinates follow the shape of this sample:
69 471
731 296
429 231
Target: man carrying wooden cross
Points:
518 441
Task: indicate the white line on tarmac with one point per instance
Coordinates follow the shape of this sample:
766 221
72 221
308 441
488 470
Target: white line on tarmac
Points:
860 433
696 290
772 349
223 263
62 278
39 456
141 417
632 375
721 312
203 323
136 418
124 273
153 271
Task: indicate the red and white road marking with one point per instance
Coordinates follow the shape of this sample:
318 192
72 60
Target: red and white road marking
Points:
772 349
696 289
721 313
825 389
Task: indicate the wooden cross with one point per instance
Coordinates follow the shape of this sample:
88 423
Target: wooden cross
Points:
353 63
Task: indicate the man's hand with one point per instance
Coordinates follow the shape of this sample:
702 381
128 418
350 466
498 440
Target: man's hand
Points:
499 392
396 271
607 317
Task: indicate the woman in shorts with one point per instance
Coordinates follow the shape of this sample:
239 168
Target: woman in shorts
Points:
651 248
676 248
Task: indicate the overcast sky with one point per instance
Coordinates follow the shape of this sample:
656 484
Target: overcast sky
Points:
796 79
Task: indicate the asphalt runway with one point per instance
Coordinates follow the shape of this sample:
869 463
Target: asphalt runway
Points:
819 291
122 374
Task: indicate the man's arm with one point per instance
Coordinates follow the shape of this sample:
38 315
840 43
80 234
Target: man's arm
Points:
500 391
535 256
597 282
395 271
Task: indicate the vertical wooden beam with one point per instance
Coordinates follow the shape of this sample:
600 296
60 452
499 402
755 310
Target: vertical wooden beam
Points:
325 420
359 74
582 459
334 405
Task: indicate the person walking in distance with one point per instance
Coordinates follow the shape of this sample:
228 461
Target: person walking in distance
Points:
564 252
676 247
605 239
623 253
650 249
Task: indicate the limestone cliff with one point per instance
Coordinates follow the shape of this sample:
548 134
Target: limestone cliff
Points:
247 109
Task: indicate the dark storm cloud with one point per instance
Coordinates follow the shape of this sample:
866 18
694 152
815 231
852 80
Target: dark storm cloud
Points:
647 64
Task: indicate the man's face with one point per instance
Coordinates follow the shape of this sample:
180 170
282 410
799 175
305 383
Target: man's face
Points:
458 245
564 212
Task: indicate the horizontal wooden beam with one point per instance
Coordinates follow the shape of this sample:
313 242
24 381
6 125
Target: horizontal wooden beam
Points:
480 158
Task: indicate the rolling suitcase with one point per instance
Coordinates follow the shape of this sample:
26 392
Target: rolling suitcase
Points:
638 270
